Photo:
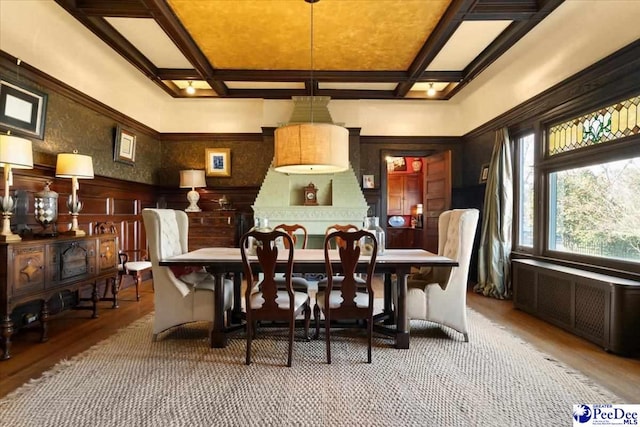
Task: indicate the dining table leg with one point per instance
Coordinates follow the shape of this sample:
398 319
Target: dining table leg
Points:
236 311
388 310
402 323
218 332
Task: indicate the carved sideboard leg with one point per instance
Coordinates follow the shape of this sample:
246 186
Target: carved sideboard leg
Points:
6 327
95 298
44 322
115 288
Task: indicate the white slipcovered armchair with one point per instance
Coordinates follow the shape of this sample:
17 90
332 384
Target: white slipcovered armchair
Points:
439 294
181 300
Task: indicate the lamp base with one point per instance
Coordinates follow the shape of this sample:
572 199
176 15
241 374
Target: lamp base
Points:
193 196
74 233
6 235
10 238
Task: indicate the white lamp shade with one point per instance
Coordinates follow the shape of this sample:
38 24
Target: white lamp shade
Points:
311 148
16 152
71 165
192 178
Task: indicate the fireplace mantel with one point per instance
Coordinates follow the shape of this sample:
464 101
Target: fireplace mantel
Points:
340 198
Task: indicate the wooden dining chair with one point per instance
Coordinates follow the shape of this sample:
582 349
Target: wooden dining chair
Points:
300 284
263 299
338 242
339 227
131 262
294 231
347 301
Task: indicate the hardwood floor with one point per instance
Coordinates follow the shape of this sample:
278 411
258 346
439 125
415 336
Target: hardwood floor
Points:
73 332
619 374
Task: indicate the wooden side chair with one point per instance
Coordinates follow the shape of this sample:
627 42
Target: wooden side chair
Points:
294 231
348 301
263 300
300 284
131 262
338 242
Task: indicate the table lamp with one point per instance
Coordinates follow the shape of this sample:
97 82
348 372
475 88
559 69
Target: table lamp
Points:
15 153
192 178
75 166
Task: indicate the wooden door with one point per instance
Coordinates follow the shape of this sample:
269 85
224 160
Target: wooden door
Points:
412 192
437 195
394 194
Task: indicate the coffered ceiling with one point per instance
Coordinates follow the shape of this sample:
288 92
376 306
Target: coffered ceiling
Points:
344 49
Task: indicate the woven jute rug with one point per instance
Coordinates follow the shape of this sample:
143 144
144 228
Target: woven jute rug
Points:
128 380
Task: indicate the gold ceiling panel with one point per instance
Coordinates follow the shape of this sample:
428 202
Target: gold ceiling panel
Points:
359 35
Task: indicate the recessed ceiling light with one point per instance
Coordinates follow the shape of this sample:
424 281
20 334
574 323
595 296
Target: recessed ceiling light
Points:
190 89
431 91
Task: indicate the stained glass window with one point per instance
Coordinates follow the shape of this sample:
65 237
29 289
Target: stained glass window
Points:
606 124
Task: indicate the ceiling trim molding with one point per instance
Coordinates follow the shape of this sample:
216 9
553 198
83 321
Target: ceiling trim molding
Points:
27 71
211 137
396 140
608 79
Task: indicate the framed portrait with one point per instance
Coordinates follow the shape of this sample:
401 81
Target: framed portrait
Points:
484 173
22 110
368 181
124 148
218 161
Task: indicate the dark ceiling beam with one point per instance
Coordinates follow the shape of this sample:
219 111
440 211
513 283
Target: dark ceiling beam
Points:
511 10
510 36
298 75
266 93
446 27
116 41
177 33
178 74
234 75
113 8
357 94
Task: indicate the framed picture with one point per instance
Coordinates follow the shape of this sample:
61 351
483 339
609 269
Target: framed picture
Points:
368 181
22 110
124 148
484 173
396 164
218 161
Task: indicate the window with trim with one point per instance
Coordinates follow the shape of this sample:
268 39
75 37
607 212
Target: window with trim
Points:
593 202
525 182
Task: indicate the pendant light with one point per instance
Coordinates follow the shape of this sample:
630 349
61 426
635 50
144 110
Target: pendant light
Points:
311 147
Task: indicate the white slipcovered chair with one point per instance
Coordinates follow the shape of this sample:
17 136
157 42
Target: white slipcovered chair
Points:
439 294
190 297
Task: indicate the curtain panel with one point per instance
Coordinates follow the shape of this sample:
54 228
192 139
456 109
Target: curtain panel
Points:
495 238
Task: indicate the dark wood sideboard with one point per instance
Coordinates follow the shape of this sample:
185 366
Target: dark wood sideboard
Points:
218 228
36 270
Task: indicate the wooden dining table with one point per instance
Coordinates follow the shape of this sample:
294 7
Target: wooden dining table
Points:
392 321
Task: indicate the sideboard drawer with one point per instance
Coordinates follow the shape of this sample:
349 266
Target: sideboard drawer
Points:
27 269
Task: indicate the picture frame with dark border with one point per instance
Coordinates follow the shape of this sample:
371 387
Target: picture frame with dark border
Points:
218 162
124 147
484 173
368 181
22 109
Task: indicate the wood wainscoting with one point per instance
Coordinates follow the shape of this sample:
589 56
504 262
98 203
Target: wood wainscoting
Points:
103 199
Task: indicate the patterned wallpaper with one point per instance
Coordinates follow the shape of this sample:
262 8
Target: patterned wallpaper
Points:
70 125
250 160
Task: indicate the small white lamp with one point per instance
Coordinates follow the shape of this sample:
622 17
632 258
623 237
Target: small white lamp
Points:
192 178
15 153
75 166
